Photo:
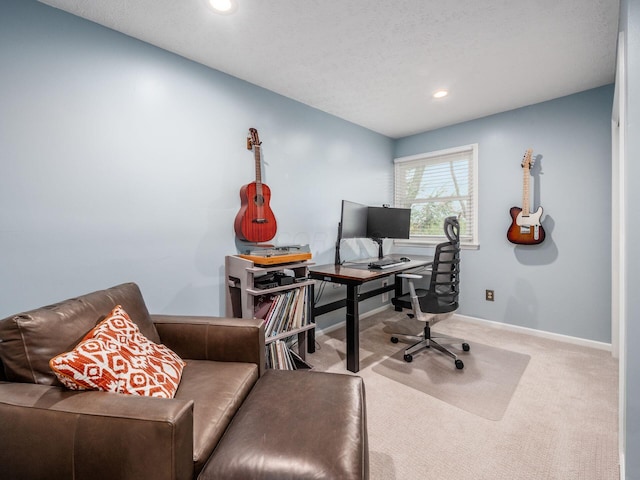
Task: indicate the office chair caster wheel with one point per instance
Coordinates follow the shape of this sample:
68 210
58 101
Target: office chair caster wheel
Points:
466 347
459 364
408 358
394 339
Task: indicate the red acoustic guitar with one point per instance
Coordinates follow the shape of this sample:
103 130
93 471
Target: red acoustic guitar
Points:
255 222
525 228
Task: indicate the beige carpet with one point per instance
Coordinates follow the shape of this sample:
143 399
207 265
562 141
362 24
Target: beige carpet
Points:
560 421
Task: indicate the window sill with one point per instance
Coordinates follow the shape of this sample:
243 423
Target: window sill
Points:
432 244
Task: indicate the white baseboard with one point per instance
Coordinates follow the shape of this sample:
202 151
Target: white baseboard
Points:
339 325
538 333
504 326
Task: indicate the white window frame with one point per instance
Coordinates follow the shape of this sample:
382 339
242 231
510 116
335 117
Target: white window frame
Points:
427 158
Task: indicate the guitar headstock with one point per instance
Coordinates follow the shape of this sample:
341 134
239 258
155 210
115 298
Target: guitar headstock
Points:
253 139
527 161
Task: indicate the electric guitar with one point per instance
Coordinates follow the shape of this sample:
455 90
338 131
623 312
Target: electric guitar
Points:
255 222
525 228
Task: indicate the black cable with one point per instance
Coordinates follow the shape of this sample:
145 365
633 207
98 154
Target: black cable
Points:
320 292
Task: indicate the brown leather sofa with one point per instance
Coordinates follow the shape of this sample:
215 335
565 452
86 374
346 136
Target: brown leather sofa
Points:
229 418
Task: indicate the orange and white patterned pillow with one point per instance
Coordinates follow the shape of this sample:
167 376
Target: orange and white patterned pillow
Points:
116 357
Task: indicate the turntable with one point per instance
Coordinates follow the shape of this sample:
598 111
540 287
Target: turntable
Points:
274 255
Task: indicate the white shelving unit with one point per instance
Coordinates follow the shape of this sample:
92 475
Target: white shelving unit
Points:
243 296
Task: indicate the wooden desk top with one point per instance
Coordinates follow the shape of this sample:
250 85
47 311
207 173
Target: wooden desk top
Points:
360 272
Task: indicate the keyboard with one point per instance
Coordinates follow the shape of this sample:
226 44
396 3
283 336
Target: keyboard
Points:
382 264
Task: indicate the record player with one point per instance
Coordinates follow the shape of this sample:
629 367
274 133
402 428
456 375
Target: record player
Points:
276 255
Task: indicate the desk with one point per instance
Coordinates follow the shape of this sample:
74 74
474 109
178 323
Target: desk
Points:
353 275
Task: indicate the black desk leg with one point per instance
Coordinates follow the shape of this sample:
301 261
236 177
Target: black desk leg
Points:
311 334
353 329
398 290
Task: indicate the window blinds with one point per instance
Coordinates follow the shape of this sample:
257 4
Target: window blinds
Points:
437 185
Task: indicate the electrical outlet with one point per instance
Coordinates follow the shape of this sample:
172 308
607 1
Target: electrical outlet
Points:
489 296
385 295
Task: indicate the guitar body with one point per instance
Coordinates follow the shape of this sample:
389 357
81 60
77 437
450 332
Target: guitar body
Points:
255 222
525 230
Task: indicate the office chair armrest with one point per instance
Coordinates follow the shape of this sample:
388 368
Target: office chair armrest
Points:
408 275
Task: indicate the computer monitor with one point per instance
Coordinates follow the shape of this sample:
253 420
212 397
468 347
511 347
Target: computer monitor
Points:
376 223
386 222
353 224
353 221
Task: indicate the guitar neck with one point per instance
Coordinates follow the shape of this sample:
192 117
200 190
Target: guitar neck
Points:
525 190
256 154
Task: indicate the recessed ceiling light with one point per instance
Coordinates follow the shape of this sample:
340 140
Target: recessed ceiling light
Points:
440 94
224 6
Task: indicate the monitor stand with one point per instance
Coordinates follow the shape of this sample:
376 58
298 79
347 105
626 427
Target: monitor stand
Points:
379 242
338 240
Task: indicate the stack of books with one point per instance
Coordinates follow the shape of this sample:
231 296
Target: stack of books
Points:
281 357
283 312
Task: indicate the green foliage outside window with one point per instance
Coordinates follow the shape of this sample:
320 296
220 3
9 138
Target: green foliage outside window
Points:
434 192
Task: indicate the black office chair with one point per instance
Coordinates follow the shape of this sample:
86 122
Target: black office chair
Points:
440 300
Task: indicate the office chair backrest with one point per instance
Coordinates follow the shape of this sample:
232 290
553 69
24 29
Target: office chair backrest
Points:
445 273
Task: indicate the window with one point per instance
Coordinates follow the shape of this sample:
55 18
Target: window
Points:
436 185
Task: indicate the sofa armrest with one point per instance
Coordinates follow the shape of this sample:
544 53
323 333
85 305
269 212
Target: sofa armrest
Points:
49 432
213 338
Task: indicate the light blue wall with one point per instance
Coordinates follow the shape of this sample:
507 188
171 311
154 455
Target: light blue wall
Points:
562 285
630 24
122 162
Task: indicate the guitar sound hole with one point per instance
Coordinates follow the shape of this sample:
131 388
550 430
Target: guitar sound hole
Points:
258 200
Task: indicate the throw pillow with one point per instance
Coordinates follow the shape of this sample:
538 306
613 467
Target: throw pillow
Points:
116 357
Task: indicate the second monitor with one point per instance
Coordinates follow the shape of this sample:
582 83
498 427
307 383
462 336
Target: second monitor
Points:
387 222
376 223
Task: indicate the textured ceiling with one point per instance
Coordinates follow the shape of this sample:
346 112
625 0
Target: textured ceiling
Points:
377 62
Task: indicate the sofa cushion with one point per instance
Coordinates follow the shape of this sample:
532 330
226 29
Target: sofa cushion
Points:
296 424
218 389
115 357
29 340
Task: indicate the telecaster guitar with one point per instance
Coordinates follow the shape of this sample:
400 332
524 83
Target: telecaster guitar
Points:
526 228
255 222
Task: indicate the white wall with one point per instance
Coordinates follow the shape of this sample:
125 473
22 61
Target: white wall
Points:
630 24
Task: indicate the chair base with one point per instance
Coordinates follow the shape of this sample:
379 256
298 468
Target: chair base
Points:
428 341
